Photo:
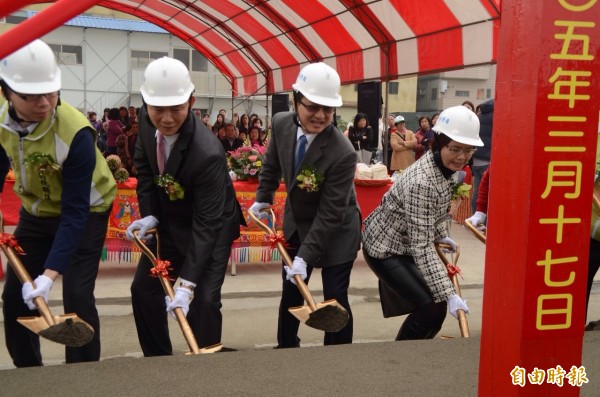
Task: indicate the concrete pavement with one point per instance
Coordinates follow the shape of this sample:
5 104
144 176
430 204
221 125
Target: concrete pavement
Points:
250 301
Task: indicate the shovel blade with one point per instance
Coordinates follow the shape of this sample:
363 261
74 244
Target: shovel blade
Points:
207 350
68 329
329 316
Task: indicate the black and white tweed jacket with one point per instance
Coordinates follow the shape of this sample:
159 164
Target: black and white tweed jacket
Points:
411 216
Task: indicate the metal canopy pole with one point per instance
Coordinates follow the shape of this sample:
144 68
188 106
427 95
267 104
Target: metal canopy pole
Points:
42 23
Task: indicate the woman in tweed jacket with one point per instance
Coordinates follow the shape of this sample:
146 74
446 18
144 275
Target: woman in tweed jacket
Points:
398 238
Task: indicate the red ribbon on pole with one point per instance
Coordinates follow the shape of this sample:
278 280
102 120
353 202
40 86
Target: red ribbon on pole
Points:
452 270
273 239
161 269
9 240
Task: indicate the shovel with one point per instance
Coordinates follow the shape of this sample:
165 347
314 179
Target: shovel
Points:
462 317
168 288
66 329
478 233
328 316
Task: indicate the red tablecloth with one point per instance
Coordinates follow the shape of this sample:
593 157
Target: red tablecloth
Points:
252 246
10 204
369 197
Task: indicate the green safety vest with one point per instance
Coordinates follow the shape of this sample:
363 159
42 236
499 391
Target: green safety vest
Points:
40 191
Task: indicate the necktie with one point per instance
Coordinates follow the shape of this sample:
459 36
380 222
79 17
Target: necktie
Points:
300 150
160 152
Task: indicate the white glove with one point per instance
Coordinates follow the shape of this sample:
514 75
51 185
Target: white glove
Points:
256 209
43 284
477 219
182 299
455 303
298 267
448 241
143 225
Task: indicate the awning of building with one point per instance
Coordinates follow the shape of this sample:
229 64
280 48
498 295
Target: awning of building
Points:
260 45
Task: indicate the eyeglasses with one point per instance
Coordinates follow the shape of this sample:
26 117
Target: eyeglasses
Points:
36 97
316 108
457 151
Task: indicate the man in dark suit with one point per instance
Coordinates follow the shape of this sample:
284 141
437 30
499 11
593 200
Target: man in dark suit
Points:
231 142
196 213
321 220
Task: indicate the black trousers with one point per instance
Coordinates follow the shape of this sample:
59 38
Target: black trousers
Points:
401 273
149 307
336 280
36 235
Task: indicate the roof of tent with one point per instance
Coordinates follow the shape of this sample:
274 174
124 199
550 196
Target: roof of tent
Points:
260 45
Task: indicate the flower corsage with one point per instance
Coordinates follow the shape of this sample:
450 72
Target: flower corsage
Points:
310 179
172 187
43 163
460 190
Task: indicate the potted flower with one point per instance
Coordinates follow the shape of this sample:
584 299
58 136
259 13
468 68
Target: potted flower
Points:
246 162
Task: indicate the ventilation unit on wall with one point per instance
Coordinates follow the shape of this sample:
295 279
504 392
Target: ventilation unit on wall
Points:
443 86
421 92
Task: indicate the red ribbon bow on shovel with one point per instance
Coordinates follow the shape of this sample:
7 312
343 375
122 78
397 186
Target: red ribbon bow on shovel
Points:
273 239
9 240
161 268
452 270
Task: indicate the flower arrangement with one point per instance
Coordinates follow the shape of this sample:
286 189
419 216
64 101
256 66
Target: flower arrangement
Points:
121 175
43 163
171 186
116 167
310 178
246 162
114 162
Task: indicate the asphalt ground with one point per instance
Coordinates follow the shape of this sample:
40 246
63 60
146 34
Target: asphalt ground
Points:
372 365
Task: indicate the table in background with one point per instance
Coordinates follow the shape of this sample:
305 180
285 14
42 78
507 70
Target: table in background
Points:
252 246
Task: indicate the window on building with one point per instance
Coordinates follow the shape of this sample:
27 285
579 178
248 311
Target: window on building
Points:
68 54
488 93
141 59
194 61
16 18
461 93
480 94
355 87
393 87
434 94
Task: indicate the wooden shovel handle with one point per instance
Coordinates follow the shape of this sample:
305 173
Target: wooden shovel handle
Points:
596 201
480 236
168 288
462 317
286 258
23 275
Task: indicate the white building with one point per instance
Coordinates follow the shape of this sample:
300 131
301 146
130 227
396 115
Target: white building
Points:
103 59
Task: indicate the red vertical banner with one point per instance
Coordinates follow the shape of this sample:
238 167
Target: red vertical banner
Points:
544 143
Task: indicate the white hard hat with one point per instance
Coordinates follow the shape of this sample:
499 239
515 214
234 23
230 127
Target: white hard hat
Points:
31 69
320 84
398 119
166 83
459 124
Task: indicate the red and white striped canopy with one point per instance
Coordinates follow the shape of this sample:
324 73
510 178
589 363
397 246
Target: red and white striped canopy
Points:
260 45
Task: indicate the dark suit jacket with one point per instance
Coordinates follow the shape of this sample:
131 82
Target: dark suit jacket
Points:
229 147
328 221
209 213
